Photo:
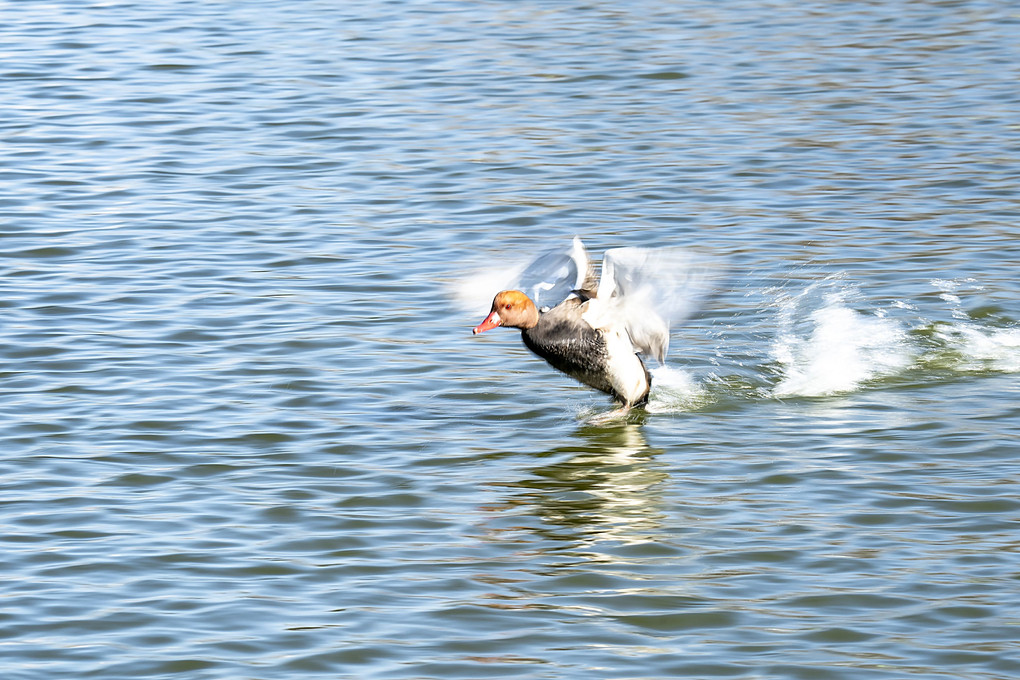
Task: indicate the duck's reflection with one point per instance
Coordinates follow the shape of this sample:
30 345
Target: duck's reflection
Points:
609 489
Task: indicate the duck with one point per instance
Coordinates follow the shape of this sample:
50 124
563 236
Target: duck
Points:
572 339
601 330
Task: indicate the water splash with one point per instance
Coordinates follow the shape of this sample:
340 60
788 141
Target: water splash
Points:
999 349
675 390
829 339
969 344
825 347
969 348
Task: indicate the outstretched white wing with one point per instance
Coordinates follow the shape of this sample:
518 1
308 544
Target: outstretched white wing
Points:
650 290
554 274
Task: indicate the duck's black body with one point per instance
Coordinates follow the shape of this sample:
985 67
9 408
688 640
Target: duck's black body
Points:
570 344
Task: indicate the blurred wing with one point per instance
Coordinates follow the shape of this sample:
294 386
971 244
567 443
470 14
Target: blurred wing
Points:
653 289
554 274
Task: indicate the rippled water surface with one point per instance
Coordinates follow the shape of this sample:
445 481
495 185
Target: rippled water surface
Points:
246 430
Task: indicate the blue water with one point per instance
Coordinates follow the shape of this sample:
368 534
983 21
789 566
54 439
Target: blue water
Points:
246 431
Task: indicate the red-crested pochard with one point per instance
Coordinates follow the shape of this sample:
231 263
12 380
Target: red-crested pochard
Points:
598 335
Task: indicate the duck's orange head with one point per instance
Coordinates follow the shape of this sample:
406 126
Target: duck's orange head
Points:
510 308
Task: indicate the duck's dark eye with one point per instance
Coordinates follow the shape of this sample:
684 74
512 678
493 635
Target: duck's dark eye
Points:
507 306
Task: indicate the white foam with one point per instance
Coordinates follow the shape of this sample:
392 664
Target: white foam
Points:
983 349
833 348
953 285
674 390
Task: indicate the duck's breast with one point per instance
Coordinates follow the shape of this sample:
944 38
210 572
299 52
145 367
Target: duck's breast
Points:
625 370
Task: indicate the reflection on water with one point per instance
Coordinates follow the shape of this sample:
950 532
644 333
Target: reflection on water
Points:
607 489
